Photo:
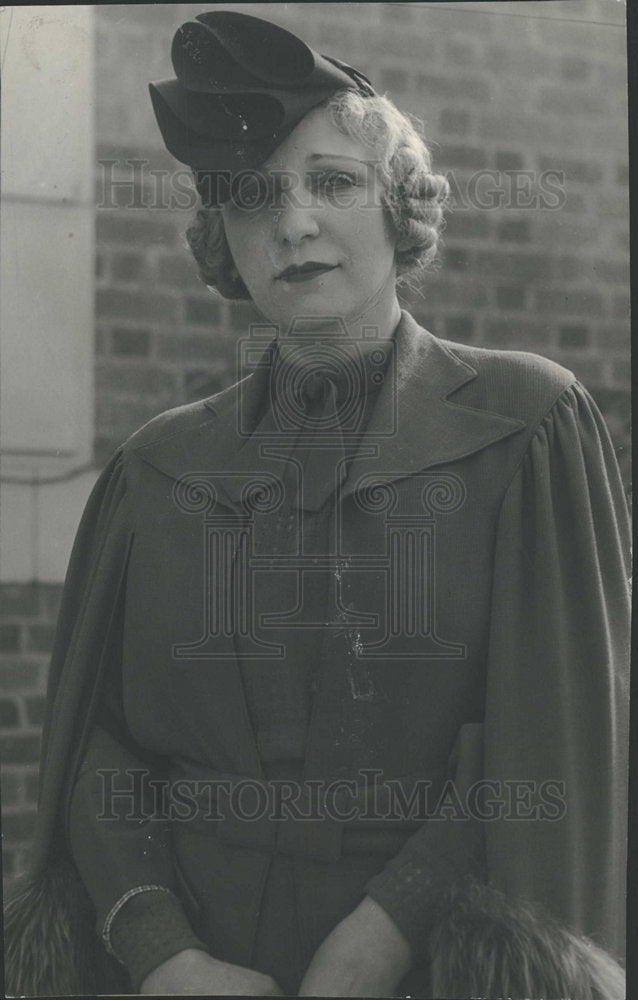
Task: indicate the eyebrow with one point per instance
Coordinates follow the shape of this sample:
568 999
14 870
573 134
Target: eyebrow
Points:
338 156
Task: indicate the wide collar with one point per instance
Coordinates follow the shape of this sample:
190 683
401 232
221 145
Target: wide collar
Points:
414 425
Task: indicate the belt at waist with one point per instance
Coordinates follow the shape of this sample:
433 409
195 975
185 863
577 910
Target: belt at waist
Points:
315 819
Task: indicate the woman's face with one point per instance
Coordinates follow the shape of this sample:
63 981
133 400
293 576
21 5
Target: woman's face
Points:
321 205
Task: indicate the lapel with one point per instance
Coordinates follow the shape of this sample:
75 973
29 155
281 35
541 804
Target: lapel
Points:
413 426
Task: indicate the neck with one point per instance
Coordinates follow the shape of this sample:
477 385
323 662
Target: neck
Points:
375 321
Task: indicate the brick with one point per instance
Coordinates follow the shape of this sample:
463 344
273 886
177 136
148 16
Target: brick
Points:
12 788
179 270
519 61
459 328
20 673
18 600
243 315
568 267
451 120
456 258
9 712
189 347
39 638
128 229
509 160
571 102
452 86
100 266
116 187
34 706
621 373
614 203
467 224
125 182
513 265
202 383
18 825
10 638
513 333
202 310
622 307
569 234
102 341
573 336
574 202
127 266
31 786
462 294
510 297
462 157
514 230
50 598
131 342
121 378
424 318
578 171
569 300
136 304
20 749
121 415
613 271
394 80
590 371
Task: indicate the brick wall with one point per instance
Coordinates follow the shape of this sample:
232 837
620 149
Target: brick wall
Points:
27 619
498 91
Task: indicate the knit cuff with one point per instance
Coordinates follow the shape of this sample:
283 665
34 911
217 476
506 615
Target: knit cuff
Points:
150 928
411 886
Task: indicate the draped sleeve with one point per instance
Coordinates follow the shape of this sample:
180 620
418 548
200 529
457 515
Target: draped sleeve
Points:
93 591
88 748
547 769
556 721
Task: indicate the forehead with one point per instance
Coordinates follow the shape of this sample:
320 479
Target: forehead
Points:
315 136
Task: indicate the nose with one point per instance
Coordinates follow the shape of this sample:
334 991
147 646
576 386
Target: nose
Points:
295 222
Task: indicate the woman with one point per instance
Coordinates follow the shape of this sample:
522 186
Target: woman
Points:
338 693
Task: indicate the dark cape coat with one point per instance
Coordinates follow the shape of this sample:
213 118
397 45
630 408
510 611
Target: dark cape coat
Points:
496 468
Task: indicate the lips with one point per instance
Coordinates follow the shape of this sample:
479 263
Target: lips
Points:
304 272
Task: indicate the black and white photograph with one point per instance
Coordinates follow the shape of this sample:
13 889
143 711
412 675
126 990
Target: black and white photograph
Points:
315 491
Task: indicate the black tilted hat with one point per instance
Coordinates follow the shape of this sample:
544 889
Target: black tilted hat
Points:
242 85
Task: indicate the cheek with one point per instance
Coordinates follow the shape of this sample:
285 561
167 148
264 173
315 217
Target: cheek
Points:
373 240
247 244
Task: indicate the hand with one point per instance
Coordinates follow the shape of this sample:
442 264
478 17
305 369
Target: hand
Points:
195 972
364 956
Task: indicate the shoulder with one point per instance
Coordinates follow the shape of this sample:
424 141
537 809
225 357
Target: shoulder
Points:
178 420
516 383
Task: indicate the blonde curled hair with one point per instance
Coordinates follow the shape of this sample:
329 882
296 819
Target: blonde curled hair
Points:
413 196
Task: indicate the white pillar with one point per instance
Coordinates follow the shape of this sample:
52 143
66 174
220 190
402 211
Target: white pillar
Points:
47 258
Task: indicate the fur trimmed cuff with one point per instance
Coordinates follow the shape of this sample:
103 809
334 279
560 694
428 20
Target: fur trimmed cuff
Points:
51 945
484 945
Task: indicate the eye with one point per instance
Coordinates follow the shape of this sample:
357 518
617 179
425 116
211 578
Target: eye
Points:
333 180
